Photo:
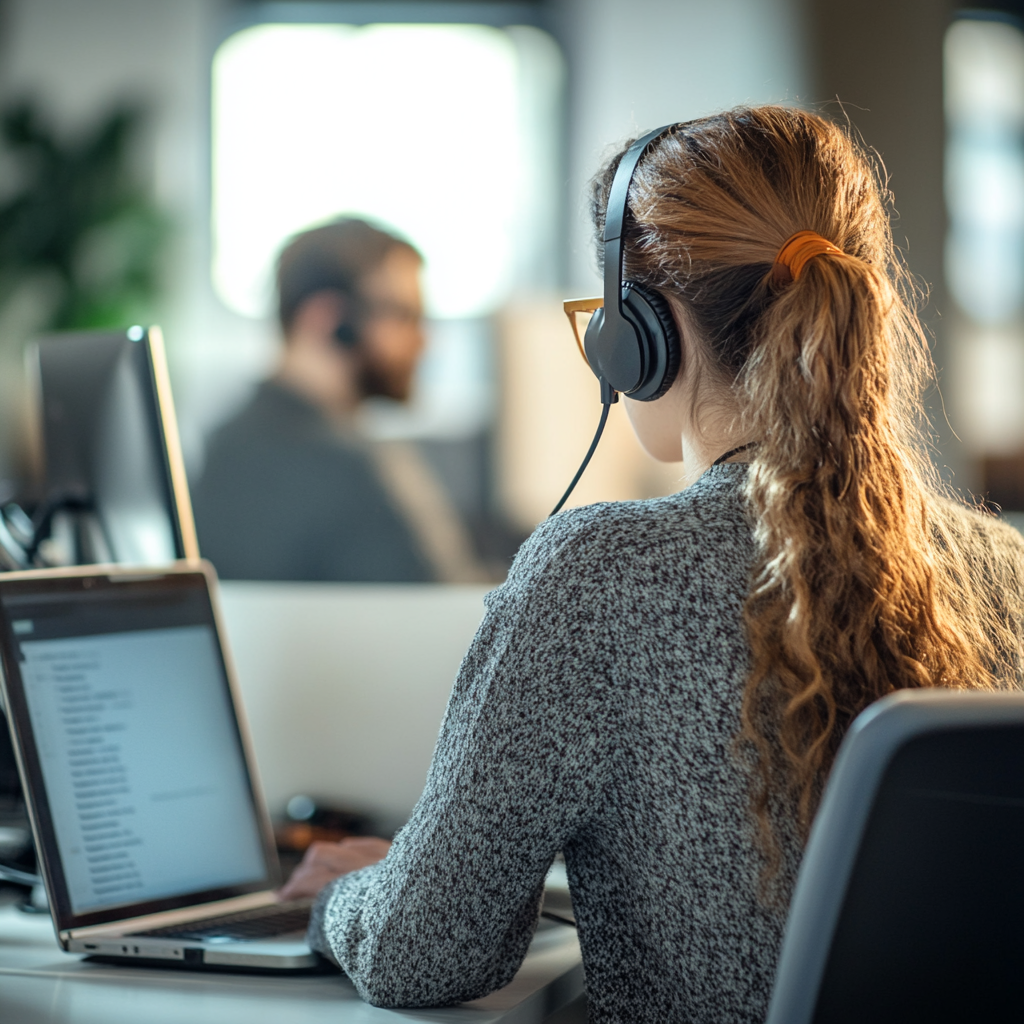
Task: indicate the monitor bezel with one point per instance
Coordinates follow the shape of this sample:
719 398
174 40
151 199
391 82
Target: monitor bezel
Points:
170 447
74 580
163 420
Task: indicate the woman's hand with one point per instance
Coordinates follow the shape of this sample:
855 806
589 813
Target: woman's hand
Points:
325 862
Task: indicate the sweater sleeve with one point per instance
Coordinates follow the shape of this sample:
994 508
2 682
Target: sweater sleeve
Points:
518 768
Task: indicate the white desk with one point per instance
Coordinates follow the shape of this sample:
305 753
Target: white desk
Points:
39 983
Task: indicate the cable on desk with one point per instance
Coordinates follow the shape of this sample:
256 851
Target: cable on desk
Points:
34 902
18 877
558 917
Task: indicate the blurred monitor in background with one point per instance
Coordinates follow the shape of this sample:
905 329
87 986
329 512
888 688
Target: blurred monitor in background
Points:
290 489
114 487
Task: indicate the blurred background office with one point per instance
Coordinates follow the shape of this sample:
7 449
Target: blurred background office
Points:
155 156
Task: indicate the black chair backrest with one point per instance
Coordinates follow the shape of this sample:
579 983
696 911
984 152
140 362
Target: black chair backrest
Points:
909 905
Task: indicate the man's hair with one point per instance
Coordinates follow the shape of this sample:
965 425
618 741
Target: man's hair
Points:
334 257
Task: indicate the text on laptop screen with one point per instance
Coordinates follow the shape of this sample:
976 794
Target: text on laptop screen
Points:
140 755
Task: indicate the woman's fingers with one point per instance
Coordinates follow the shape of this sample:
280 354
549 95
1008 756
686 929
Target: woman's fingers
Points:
324 862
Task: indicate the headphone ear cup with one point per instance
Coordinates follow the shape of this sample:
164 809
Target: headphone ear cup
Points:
651 314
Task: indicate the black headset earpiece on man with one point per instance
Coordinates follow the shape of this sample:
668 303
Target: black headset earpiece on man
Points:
346 335
632 344
349 331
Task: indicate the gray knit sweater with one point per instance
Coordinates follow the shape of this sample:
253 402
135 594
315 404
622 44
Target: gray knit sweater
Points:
594 714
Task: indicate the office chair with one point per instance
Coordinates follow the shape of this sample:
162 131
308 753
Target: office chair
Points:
909 905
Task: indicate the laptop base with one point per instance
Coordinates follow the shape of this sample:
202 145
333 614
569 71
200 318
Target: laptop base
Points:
323 966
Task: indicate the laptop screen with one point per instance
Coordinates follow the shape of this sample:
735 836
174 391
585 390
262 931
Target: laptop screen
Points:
135 738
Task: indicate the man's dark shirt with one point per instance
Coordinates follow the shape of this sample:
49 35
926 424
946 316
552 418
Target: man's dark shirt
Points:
284 497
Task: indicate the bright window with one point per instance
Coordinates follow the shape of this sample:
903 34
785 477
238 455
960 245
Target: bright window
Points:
985 168
984 96
446 133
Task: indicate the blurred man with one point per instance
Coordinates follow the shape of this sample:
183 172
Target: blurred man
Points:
290 490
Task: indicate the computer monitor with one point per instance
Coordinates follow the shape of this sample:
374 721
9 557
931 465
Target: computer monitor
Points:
112 474
114 487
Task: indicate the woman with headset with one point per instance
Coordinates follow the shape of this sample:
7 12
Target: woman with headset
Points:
660 687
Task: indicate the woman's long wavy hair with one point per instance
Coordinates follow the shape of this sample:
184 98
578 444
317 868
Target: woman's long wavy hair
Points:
861 585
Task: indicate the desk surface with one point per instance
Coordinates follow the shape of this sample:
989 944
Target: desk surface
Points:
39 983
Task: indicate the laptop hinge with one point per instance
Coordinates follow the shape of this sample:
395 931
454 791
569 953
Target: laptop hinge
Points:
172 917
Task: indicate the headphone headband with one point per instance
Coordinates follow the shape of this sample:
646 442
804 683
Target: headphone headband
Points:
615 218
617 195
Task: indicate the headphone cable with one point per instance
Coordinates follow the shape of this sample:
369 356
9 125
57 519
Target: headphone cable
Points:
605 409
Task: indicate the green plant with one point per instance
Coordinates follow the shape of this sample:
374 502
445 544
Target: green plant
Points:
76 223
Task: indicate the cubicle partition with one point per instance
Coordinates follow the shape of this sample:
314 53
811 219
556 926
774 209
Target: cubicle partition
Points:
345 685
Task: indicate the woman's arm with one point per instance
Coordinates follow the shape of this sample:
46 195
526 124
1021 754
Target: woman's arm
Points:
518 767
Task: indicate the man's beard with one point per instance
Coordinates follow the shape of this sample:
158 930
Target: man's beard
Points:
375 383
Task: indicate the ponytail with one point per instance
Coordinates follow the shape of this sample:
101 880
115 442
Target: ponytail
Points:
860 584
850 599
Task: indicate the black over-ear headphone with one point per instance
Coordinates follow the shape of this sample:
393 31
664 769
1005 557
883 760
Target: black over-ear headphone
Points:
632 344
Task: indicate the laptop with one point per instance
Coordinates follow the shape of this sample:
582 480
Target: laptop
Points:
153 839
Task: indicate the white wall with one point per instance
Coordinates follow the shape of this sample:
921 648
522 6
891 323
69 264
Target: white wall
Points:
644 63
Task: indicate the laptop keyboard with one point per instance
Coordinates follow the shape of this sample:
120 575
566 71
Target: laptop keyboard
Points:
261 923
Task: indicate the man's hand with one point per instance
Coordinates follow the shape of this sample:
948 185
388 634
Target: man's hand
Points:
325 862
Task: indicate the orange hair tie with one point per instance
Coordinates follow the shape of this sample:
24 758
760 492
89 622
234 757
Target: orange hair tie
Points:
796 251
